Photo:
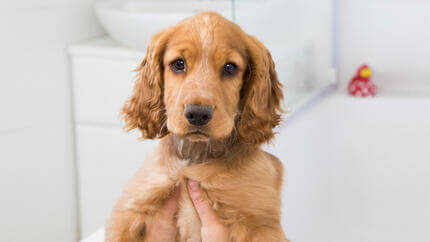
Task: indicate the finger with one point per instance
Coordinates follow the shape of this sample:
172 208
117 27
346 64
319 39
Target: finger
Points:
206 213
170 207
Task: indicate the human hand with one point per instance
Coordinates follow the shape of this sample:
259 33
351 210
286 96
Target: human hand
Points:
212 230
163 227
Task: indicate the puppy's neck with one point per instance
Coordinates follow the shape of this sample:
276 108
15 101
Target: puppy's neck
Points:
198 152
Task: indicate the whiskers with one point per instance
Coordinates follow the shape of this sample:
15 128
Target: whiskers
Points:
180 146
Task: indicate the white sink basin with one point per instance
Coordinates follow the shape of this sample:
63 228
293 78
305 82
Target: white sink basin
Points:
132 23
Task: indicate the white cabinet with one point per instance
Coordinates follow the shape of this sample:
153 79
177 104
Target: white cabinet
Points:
103 77
107 156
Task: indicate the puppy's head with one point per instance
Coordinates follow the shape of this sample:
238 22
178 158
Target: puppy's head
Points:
201 80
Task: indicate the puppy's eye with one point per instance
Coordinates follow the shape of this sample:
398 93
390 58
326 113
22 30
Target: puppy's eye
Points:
229 69
178 65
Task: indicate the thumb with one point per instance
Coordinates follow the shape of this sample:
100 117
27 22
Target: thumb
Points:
206 213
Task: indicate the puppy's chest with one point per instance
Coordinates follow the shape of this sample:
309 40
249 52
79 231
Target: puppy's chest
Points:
188 221
229 194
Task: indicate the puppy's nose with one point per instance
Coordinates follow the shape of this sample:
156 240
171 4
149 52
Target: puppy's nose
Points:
198 115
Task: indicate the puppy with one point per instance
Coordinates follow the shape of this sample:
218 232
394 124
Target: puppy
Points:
210 92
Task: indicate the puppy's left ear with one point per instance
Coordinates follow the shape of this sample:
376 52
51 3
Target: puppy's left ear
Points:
261 96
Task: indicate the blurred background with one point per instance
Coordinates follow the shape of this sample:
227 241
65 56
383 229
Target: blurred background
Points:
357 169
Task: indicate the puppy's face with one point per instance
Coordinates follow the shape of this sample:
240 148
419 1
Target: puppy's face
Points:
204 65
203 78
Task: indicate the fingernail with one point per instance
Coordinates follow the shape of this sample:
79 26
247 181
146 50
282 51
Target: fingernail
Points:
193 184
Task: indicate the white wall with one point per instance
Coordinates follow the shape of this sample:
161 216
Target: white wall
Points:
392 36
37 201
357 170
377 149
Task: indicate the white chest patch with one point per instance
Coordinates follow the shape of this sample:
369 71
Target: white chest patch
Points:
206 31
176 168
206 36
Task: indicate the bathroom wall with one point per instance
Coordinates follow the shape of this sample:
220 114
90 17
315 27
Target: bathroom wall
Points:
357 170
392 36
37 201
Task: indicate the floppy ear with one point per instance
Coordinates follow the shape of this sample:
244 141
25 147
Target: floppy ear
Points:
145 109
261 96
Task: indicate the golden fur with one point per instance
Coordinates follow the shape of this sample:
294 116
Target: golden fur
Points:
241 181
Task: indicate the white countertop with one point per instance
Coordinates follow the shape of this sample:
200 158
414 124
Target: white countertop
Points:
104 47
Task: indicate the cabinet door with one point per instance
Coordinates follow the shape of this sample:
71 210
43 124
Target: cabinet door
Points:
106 157
101 86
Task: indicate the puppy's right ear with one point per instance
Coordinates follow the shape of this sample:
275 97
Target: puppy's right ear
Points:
145 109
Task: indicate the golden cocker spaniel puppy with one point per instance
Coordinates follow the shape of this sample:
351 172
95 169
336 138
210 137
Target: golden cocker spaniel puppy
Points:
210 92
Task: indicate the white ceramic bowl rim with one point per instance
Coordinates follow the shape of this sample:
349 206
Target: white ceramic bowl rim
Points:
157 8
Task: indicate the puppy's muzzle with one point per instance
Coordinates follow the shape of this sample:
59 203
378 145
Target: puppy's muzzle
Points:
198 115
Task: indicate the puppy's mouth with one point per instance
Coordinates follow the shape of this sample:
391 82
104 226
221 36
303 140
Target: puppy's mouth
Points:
197 136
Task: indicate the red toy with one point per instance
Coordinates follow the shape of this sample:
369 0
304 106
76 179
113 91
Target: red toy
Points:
360 85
